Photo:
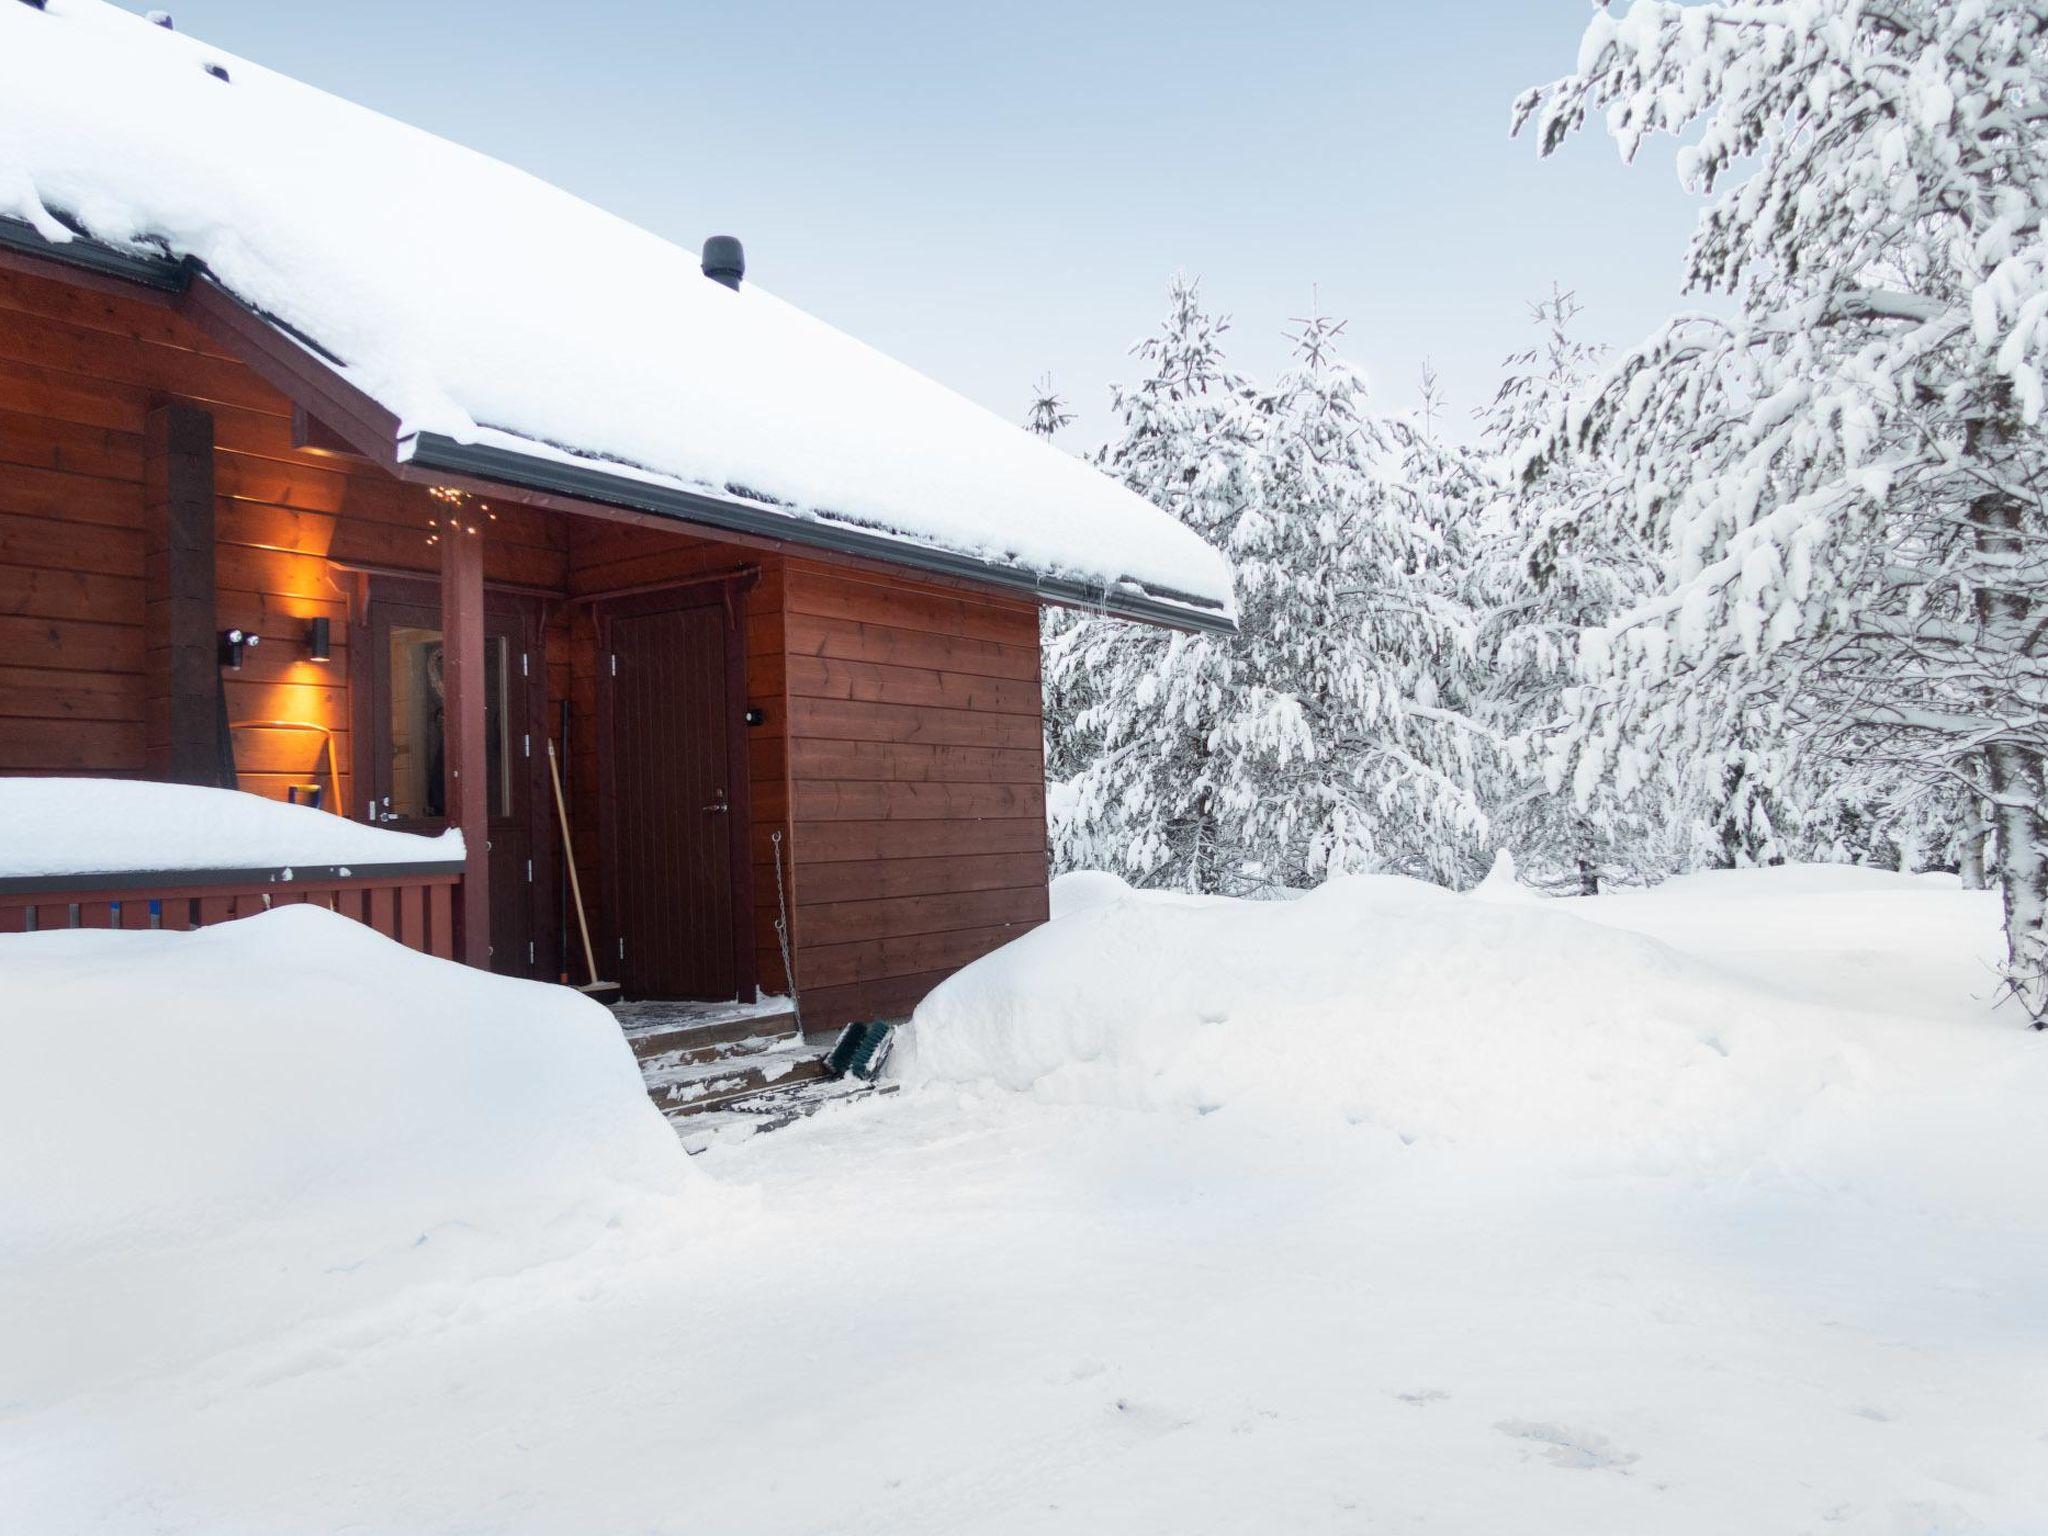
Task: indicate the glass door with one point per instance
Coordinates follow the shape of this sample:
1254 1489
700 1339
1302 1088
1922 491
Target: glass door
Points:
402 753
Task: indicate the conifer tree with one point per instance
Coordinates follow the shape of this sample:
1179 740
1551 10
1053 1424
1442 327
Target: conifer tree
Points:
1845 484
1318 740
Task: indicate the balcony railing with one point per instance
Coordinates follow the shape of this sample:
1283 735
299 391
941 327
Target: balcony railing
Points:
412 903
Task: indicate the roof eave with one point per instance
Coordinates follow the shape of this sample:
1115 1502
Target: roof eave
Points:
163 273
519 471
530 472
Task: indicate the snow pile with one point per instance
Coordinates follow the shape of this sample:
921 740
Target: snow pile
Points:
1381 1002
291 1123
1082 890
622 354
976 1312
106 826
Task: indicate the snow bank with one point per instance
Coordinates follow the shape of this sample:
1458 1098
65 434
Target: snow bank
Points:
82 826
545 326
291 1122
1082 890
1438 1019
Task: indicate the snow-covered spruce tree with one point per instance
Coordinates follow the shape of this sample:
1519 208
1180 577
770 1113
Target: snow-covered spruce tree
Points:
1548 565
1131 711
1048 413
1312 742
1843 483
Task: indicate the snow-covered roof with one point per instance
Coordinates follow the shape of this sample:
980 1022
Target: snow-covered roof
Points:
478 304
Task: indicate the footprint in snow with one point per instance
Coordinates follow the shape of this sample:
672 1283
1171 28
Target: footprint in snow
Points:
1582 1450
1423 1398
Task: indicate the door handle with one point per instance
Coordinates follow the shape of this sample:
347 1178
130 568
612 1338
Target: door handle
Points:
720 806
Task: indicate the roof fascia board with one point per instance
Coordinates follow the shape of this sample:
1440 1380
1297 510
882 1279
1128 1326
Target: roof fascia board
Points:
518 471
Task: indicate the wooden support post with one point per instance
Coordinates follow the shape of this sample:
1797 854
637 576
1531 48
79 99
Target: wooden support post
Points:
469 781
183 672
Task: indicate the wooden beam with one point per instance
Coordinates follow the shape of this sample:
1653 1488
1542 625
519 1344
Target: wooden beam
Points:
313 435
468 775
183 690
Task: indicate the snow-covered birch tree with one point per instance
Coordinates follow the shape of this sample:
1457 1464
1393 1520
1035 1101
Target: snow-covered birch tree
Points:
1842 483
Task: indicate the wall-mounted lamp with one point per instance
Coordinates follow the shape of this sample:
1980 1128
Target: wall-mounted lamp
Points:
232 643
319 640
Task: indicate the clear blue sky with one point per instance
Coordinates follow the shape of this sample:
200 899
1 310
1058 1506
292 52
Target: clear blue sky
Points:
991 192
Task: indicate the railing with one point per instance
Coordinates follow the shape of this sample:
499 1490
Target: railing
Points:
412 903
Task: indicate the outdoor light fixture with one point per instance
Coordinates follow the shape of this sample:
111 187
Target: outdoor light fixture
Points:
318 640
232 643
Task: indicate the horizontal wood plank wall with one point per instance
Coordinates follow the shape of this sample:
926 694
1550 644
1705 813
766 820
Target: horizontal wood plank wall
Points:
80 371
611 558
917 785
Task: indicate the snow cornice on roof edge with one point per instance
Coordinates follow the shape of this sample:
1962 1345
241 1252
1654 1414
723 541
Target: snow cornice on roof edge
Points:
559 473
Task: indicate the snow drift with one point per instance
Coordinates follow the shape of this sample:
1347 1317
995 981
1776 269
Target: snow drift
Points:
213 1137
1437 1019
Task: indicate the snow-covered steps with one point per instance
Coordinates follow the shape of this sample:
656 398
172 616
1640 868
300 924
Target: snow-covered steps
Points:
731 1074
729 1067
769 1111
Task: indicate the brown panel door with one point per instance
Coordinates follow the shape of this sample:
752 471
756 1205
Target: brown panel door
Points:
674 688
399 669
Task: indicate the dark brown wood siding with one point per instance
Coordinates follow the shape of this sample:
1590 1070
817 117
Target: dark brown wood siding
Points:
80 372
899 749
917 785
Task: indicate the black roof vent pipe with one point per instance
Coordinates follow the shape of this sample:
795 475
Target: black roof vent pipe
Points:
725 260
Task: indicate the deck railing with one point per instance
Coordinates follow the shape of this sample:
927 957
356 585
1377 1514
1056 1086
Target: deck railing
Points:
412 903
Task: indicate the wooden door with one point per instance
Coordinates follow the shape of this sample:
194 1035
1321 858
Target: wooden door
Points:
396 673
673 758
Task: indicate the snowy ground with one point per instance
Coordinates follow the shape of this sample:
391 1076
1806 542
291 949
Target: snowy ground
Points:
1725 1216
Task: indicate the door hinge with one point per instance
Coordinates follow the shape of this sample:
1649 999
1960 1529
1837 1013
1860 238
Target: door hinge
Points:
526 744
529 952
529 871
622 946
522 664
615 663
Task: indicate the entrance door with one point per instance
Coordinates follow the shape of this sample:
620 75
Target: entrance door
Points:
399 677
672 678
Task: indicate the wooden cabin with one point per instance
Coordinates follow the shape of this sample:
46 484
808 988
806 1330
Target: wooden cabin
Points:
231 413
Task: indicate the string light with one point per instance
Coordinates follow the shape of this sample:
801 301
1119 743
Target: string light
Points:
455 500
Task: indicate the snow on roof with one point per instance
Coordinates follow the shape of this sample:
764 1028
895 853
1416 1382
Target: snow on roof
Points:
108 826
476 302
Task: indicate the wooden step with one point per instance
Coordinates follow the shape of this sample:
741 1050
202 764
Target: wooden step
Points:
692 1090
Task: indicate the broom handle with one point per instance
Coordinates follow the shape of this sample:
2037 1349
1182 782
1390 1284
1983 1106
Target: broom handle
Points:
569 857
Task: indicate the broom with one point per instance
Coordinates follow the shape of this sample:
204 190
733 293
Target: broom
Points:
604 991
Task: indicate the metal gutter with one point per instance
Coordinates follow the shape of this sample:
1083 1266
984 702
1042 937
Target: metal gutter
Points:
159 272
519 471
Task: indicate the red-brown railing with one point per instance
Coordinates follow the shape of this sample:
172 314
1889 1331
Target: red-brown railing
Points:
412 903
